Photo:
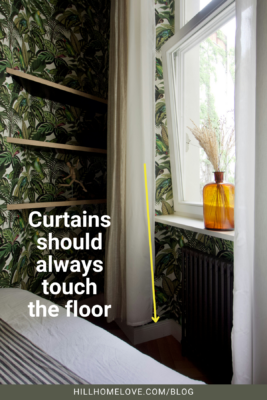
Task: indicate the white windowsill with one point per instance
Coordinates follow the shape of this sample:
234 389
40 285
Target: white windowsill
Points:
194 225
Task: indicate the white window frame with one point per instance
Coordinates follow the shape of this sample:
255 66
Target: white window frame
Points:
180 9
214 15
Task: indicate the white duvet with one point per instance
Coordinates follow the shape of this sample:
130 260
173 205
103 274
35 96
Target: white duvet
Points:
87 350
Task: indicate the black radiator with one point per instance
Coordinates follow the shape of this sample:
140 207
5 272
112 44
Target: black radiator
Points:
207 313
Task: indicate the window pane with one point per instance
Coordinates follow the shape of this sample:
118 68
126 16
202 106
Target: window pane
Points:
207 105
192 7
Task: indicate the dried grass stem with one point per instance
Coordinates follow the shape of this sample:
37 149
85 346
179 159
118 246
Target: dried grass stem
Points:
206 136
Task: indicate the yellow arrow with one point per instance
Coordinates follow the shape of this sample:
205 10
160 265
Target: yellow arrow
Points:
155 318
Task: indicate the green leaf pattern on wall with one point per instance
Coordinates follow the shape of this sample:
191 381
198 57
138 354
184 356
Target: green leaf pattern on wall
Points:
164 17
168 244
169 240
19 252
62 41
65 42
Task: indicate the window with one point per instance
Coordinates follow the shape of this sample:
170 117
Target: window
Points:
200 82
190 8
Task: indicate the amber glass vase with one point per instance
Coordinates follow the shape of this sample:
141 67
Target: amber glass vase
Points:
218 204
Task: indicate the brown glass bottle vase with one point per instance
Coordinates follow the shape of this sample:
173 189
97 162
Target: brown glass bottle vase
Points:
218 204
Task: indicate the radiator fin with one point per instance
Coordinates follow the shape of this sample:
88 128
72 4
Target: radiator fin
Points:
207 314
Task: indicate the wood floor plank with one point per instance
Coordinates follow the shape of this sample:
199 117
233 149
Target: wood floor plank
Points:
142 347
182 364
166 350
153 350
175 349
165 355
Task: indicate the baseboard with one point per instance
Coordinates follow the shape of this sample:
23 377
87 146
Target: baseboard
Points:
145 333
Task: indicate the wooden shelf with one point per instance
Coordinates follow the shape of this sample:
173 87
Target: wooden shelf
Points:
33 78
58 93
37 143
53 204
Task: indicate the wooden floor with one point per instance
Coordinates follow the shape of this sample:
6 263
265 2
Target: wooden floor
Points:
166 350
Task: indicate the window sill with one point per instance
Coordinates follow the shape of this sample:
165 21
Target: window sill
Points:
193 225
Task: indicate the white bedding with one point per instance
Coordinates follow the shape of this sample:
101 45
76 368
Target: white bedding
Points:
87 350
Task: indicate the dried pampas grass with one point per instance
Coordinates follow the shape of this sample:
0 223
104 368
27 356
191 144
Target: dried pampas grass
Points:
207 139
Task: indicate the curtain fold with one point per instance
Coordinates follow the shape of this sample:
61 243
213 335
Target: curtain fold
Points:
260 273
245 120
130 144
115 258
140 150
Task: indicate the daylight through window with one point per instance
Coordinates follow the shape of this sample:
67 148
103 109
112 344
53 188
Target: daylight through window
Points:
205 83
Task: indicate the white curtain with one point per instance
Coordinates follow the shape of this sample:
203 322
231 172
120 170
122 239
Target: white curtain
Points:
128 273
249 335
260 273
115 257
245 109
140 150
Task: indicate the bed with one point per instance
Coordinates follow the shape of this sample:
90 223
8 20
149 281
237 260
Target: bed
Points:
81 351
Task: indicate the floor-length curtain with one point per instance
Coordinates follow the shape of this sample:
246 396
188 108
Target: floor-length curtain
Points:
245 119
260 273
115 259
130 145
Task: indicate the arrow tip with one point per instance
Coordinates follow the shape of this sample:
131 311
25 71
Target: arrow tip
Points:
155 319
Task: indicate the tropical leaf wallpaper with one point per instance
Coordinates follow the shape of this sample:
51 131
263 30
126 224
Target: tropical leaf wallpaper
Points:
164 17
65 42
169 240
168 268
19 252
28 117
35 175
